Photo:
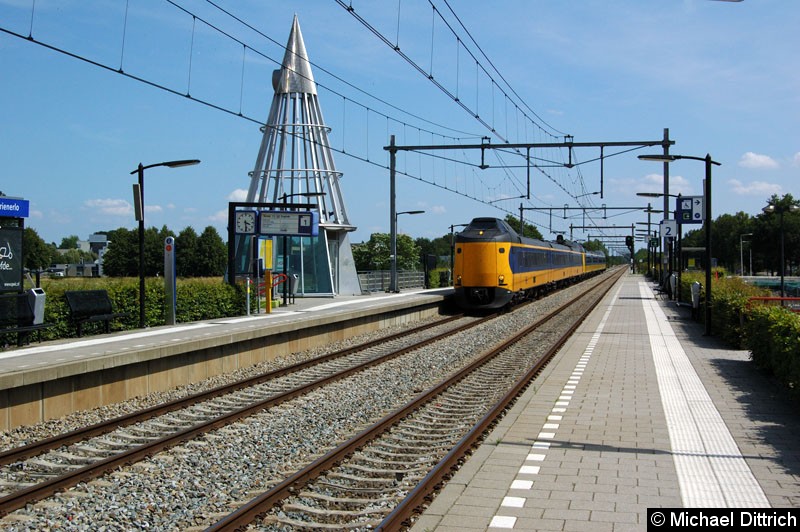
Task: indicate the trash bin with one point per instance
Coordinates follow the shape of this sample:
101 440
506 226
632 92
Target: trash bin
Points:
36 296
696 286
294 285
673 285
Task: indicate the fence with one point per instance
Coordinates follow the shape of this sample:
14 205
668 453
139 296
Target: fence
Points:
378 280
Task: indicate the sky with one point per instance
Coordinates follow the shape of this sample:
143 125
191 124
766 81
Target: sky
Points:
722 77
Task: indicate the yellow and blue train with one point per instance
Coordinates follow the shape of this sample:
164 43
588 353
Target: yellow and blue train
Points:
495 267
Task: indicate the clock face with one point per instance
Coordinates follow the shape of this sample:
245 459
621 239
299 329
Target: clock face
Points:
246 222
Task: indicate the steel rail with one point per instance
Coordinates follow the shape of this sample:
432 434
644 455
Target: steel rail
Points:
402 513
37 492
17 454
261 504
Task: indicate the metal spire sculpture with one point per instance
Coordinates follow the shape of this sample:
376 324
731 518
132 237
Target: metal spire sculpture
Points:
295 163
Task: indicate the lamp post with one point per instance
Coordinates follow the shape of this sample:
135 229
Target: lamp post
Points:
138 201
741 252
706 215
393 273
285 254
780 209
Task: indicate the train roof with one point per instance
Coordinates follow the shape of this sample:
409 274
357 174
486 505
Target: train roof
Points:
497 230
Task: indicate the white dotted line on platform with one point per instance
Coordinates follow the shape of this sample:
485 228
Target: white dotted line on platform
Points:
541 444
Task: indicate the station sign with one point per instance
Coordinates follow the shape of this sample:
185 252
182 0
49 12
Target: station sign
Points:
669 228
283 223
14 207
689 209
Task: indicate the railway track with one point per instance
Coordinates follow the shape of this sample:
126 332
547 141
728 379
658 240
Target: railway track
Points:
378 478
37 470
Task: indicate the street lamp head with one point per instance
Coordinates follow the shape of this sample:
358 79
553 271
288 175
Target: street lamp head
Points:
649 194
168 164
659 157
410 212
663 158
184 162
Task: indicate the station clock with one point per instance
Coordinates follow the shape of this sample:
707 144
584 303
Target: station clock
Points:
245 222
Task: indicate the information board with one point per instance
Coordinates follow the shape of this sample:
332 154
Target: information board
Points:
283 223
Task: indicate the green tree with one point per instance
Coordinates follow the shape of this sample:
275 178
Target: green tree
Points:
69 242
154 250
767 235
531 231
187 253
122 257
75 256
375 254
36 253
595 245
438 247
212 253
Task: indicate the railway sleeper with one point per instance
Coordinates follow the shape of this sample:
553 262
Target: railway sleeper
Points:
378 460
382 452
348 489
341 501
52 466
327 512
413 446
312 525
74 458
409 435
362 480
381 471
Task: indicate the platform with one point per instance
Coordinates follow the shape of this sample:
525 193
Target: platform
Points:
638 411
51 379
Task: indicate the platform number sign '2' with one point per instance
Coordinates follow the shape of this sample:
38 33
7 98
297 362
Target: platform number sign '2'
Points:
669 229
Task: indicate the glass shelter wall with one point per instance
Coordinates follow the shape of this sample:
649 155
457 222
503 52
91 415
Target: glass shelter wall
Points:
307 257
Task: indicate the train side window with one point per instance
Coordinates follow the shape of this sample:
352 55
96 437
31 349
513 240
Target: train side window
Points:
502 250
458 250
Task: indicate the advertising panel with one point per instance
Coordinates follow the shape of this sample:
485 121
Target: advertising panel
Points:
11 259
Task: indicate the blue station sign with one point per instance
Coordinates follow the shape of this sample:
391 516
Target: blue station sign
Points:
14 208
689 209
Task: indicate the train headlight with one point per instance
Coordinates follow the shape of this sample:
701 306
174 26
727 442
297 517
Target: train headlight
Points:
501 279
458 279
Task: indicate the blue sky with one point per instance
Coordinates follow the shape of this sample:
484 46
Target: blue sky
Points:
723 77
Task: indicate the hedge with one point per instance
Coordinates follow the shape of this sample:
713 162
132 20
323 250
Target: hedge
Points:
773 336
197 299
770 333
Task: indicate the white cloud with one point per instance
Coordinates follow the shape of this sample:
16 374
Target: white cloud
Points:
439 209
755 160
239 194
112 207
219 216
760 188
796 159
654 183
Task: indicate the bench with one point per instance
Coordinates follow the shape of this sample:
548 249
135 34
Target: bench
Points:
91 306
16 317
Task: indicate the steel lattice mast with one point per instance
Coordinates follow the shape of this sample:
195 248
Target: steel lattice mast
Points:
295 161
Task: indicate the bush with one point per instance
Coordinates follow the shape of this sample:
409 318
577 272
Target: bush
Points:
197 299
729 297
773 336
